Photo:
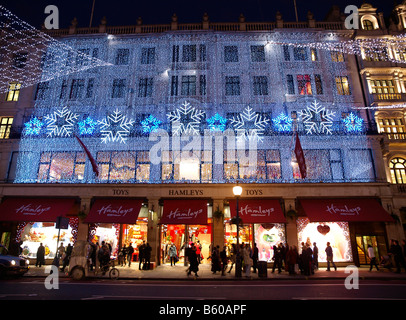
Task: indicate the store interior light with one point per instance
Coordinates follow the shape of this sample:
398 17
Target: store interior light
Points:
237 190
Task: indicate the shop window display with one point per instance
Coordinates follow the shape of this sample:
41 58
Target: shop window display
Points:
135 234
44 232
337 233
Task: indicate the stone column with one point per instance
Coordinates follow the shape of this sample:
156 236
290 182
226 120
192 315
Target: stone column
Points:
153 236
83 228
218 224
291 226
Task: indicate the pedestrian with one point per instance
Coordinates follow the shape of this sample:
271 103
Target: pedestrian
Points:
255 258
397 254
315 257
199 251
121 255
371 255
129 253
40 256
233 252
66 259
95 248
147 257
193 263
276 259
292 257
215 260
172 254
224 260
329 254
141 254
307 260
247 260
61 251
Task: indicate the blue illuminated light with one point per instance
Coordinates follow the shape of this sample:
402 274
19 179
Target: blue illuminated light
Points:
217 123
282 123
353 123
150 124
87 126
33 127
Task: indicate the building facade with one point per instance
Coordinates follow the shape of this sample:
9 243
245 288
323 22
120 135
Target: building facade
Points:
148 144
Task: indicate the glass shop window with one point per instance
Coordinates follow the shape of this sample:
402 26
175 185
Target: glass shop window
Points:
304 84
62 166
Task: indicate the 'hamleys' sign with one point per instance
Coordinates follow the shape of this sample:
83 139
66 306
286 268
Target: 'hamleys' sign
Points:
32 210
343 210
256 211
111 211
184 214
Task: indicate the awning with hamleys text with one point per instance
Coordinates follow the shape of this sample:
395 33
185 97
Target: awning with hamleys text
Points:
190 212
258 211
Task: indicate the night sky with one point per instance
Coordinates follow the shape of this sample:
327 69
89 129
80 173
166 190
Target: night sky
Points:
126 12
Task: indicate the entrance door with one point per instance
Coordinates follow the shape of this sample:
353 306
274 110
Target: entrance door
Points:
377 242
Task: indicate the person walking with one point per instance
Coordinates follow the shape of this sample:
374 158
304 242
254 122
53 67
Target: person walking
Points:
215 260
172 254
147 257
40 256
276 259
329 254
129 253
224 260
141 249
247 260
371 255
397 254
233 252
255 254
193 262
68 253
315 257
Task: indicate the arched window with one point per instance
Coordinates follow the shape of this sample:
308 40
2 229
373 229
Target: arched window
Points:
397 168
367 25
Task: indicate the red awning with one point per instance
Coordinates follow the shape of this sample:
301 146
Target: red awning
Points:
114 211
326 210
34 209
184 212
258 211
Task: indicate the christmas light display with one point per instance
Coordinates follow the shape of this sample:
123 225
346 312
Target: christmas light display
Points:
317 119
87 126
186 119
353 123
115 127
249 125
33 127
150 124
61 123
282 123
217 123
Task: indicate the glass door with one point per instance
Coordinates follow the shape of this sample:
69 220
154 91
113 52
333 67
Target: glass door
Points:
377 243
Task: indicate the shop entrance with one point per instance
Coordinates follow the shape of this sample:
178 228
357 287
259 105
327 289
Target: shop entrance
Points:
377 242
176 234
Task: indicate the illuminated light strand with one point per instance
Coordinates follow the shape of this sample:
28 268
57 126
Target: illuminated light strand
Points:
61 122
150 124
115 127
33 127
87 126
186 119
317 119
249 125
217 123
283 123
353 123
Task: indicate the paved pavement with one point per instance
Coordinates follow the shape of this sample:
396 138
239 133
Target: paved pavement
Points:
178 272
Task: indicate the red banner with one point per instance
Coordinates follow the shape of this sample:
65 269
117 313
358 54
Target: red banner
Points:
300 157
34 209
184 212
258 211
114 211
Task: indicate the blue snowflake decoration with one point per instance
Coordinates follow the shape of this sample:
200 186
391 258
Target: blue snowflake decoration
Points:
353 123
150 124
87 126
33 127
217 123
282 123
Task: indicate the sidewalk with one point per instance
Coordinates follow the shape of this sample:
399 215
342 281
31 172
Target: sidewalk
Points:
178 272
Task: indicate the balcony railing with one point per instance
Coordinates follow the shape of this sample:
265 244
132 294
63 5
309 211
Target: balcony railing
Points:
389 97
398 136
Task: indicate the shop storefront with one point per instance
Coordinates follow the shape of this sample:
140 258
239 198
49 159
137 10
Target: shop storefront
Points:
183 222
348 224
35 220
118 222
263 224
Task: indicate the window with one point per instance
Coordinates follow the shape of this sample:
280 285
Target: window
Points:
290 84
261 85
394 127
367 25
145 87
303 84
90 88
202 53
286 53
64 88
76 89
375 54
122 56
313 54
342 86
258 53
382 86
118 88
175 53
300 54
337 56
147 55
20 59
5 127
233 86
319 85
174 86
62 166
203 85
13 91
230 54
82 56
397 168
188 86
189 53
317 164
41 91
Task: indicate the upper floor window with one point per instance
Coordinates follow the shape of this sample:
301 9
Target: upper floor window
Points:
258 53
230 54
300 54
145 87
5 127
337 56
62 166
233 86
397 168
20 59
394 127
41 91
303 84
189 53
147 55
342 85
13 91
260 85
188 87
77 88
367 25
382 86
122 56
118 88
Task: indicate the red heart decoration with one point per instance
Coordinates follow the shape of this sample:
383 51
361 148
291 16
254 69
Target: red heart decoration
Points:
323 229
268 226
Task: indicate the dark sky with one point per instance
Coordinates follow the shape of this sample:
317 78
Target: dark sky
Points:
126 12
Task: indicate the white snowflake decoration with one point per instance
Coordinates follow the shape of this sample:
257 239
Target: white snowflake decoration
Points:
186 119
115 127
317 119
61 123
249 125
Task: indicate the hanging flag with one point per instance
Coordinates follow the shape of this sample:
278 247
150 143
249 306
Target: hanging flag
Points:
300 157
89 155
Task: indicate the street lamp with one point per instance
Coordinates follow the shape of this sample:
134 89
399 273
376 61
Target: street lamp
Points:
237 191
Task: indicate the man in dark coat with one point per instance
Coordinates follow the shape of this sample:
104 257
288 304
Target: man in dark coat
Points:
141 254
255 258
194 263
40 256
147 257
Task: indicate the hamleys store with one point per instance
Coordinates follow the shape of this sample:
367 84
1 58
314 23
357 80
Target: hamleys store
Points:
349 216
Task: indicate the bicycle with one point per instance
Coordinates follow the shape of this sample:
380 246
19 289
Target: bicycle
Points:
110 268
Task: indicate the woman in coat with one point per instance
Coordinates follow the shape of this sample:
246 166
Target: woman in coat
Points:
172 254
